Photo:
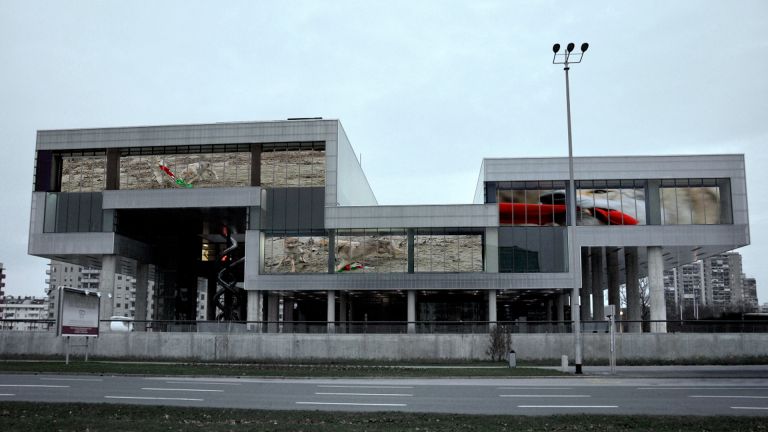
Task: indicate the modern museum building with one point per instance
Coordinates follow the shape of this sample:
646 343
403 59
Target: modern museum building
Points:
275 222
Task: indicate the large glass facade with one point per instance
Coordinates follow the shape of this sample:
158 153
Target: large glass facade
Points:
447 251
371 251
293 165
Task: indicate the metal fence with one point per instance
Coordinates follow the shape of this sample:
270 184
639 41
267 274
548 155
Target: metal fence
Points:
396 327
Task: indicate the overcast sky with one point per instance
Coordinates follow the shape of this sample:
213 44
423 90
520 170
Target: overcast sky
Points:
424 89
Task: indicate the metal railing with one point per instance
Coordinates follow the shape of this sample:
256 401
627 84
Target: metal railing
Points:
396 327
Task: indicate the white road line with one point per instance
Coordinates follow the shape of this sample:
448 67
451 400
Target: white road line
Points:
543 396
151 398
567 406
7 394
352 404
365 386
702 388
71 379
180 389
363 394
533 388
202 383
34 385
729 396
750 408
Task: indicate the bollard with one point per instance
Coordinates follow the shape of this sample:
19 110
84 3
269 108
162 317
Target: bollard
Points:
512 359
564 363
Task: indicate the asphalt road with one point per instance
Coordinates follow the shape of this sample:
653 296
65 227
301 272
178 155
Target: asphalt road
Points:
539 396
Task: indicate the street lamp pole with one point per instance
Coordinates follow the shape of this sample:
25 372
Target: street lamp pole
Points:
565 59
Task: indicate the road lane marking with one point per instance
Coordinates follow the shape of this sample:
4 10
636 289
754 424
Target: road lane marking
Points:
353 404
544 396
729 396
750 408
181 389
71 379
567 406
202 383
366 386
702 388
533 388
362 394
7 394
34 385
151 398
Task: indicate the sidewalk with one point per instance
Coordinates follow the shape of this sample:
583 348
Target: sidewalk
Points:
719 371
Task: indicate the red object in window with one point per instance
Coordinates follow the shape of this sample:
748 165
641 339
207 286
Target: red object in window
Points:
544 214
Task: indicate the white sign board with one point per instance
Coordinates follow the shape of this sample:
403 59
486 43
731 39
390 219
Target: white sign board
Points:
78 312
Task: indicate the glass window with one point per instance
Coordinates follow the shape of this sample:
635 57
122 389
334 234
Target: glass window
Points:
610 202
83 173
532 250
293 165
178 170
690 201
532 203
371 251
448 251
289 253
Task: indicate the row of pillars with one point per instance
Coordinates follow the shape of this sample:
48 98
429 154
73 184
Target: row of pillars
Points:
597 262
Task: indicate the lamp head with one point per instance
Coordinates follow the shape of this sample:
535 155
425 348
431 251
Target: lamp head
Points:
584 47
570 47
555 48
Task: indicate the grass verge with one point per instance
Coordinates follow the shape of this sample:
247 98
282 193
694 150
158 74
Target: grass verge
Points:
24 416
270 370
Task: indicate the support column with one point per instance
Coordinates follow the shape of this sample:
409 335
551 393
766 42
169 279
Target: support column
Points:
107 285
492 308
255 314
411 311
612 266
560 303
112 173
656 289
598 298
141 287
331 314
634 301
288 326
550 306
343 301
586 286
273 303
410 245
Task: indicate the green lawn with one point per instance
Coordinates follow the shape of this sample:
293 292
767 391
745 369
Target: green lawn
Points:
348 370
23 416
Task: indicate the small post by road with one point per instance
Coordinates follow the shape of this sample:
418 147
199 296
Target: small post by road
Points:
611 315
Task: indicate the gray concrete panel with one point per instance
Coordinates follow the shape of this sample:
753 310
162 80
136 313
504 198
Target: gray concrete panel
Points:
183 198
415 216
405 281
615 167
196 134
352 187
72 244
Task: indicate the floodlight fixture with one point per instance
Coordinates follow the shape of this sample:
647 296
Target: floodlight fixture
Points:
569 55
